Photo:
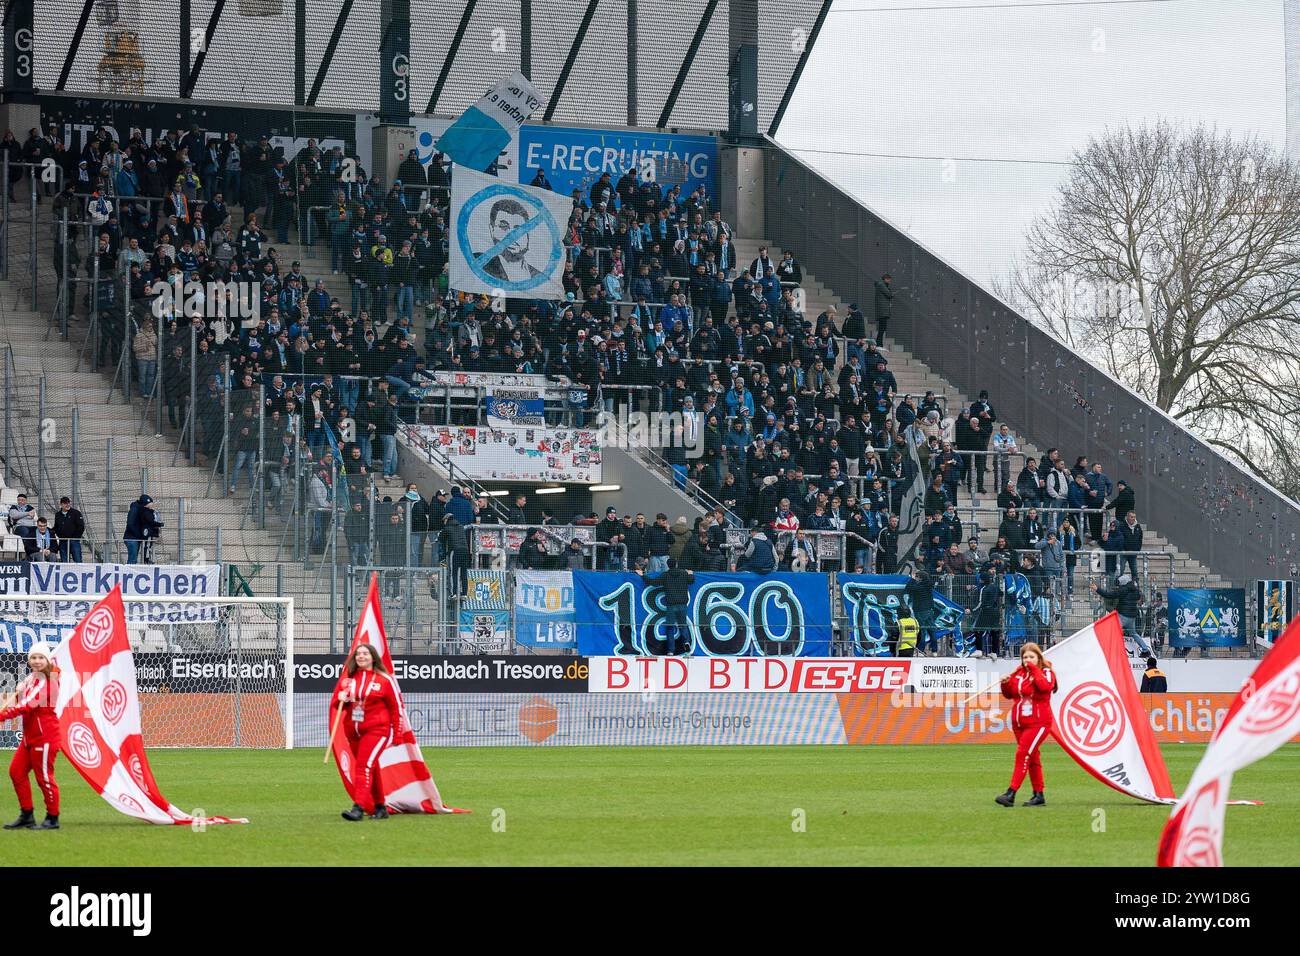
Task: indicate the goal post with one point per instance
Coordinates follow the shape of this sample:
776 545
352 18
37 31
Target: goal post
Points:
211 671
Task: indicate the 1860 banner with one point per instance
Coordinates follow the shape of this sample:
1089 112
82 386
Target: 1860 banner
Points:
772 615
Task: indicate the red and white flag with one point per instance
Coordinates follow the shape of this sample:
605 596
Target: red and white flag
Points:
99 714
1265 715
408 785
1098 715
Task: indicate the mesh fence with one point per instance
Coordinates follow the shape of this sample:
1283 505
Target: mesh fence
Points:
209 674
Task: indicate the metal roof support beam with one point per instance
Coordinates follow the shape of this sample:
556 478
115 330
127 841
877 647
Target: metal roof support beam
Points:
687 60
339 23
451 55
798 68
578 38
187 90
75 45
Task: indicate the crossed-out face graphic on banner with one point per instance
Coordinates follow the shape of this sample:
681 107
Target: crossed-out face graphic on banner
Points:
730 615
506 239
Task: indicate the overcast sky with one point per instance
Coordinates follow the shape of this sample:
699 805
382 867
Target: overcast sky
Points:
993 99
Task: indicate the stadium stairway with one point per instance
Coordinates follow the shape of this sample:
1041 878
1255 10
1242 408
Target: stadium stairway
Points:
143 460
915 378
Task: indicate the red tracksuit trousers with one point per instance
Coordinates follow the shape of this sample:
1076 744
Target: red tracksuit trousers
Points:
367 785
1029 742
38 760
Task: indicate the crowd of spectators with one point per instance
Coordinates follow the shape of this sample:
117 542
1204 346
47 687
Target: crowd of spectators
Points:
799 424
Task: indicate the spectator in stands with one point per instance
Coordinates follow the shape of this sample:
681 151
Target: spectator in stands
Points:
1029 485
1052 555
1131 534
1124 501
1004 444
919 596
142 529
575 558
973 439
456 545
1099 489
44 544
145 347
884 306
69 529
1070 544
22 520
356 529
1128 596
759 557
420 526
320 495
659 540
1057 489
393 551
676 582
987 616
532 553
887 547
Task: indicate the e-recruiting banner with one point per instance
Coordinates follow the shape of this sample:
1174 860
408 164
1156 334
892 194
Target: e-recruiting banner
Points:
506 239
544 609
875 602
1207 617
761 615
1274 608
574 158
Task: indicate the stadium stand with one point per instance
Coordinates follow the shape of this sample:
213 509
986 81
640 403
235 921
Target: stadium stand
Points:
800 399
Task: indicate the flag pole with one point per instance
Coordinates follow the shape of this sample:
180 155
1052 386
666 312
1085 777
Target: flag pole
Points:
329 748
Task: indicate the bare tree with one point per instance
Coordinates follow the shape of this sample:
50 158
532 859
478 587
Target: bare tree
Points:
1172 259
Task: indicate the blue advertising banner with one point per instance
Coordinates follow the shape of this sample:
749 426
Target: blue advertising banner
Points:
1207 617
731 615
17 637
875 602
575 158
544 609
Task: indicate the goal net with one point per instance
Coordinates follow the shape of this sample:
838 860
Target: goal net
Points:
212 671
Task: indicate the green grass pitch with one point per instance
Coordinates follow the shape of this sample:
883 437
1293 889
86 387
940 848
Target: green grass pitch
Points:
929 805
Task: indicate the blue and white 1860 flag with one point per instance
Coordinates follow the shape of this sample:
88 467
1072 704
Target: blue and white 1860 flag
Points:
506 239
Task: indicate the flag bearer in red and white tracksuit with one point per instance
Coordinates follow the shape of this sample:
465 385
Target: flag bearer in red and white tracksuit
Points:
370 719
34 701
1030 690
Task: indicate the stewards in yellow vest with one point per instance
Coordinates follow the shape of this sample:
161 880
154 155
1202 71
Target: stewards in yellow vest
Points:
908 629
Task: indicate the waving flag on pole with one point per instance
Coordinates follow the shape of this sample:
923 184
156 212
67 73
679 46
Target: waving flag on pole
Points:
1265 715
1098 715
99 714
408 785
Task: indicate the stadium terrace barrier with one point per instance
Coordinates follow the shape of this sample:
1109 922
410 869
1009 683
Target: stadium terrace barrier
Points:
1232 522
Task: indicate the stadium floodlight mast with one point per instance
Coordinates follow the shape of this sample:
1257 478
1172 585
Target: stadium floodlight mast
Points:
234 656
